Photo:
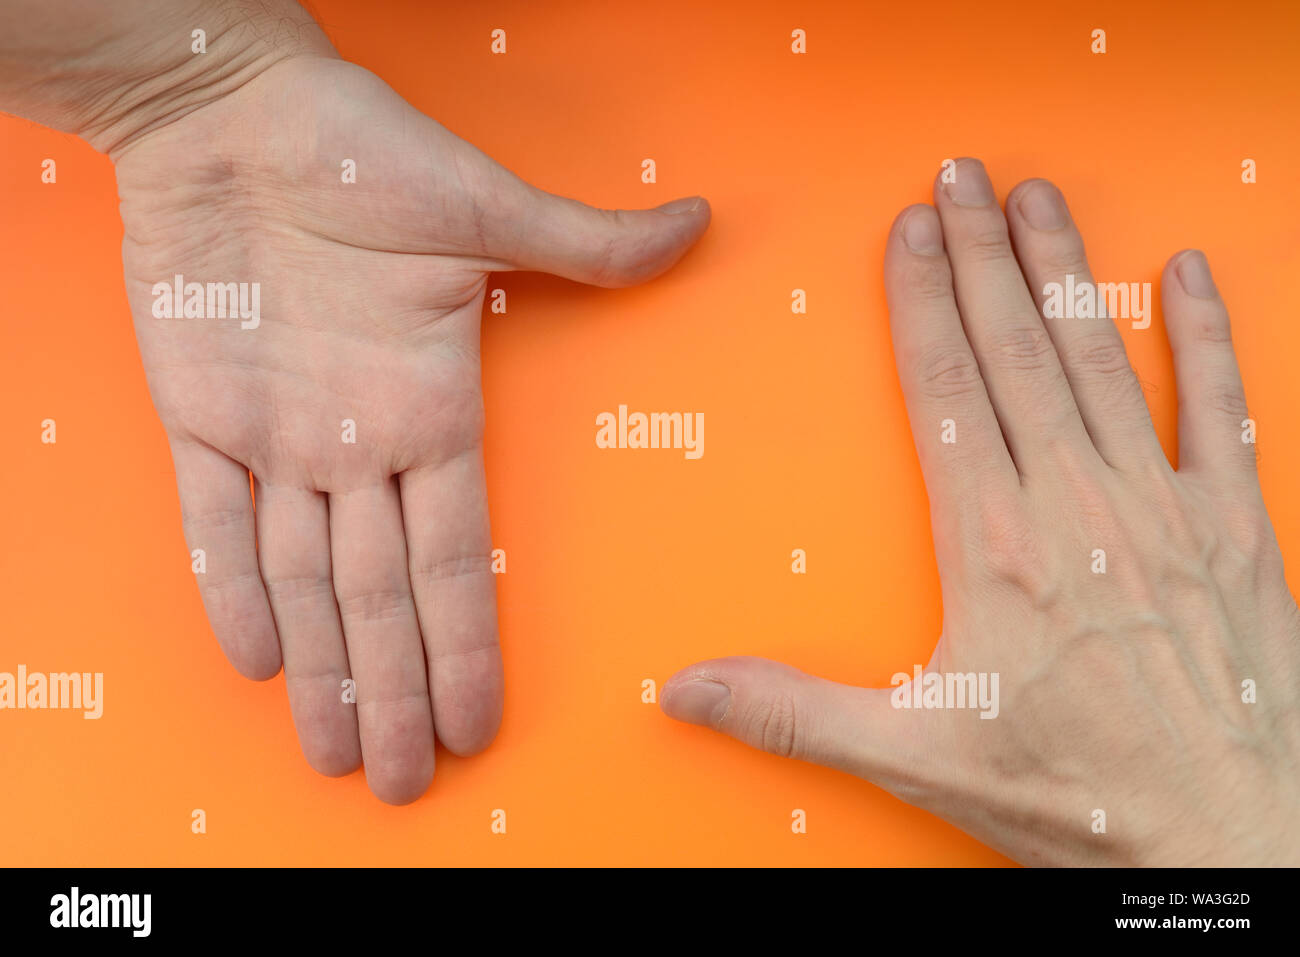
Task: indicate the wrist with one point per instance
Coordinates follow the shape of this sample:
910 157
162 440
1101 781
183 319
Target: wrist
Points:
112 73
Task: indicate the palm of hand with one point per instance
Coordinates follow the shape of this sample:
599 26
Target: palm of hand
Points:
354 400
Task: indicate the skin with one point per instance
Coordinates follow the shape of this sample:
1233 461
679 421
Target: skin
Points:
369 561
366 560
1119 691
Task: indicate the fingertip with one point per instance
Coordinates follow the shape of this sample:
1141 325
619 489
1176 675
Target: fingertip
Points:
472 735
470 746
334 761
1190 269
951 171
258 660
326 725
1019 191
896 227
703 693
690 220
399 789
698 699
1172 262
719 669
398 798
468 698
703 214
647 243
957 162
1038 203
686 205
919 230
695 220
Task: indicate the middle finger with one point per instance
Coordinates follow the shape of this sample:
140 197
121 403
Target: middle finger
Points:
1026 383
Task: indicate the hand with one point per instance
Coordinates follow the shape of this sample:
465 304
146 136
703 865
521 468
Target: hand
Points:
368 559
1120 691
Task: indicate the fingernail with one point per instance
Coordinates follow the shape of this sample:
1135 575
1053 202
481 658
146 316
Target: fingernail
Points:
970 185
1043 206
687 204
699 701
922 232
1194 274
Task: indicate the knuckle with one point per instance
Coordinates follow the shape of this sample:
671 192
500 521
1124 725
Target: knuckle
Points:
948 372
214 519
1100 354
1179 520
233 587
1228 399
375 604
485 647
1212 329
1006 539
1250 532
1064 258
628 254
1022 347
1165 499
927 280
989 243
604 261
462 566
774 725
285 590
1088 498
1230 534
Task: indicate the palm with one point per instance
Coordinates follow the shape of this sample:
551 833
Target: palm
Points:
355 400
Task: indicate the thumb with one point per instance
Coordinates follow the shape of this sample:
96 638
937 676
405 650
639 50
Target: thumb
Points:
603 247
467 204
520 226
778 709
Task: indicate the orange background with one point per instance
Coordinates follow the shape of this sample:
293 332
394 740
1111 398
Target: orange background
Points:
628 566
